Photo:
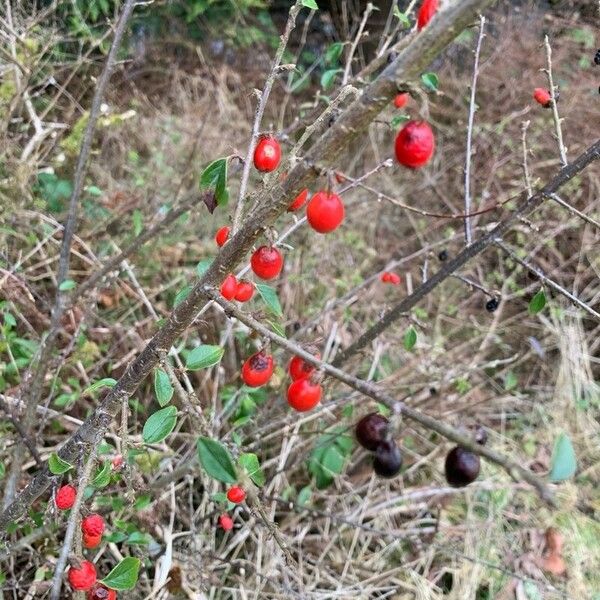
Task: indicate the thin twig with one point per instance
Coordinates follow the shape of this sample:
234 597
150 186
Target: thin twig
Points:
528 187
260 110
468 234
361 28
557 126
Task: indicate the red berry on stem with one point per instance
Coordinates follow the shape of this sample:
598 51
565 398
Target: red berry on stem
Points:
117 462
385 277
93 525
245 291
257 370
394 278
65 497
304 395
226 522
299 201
82 578
400 100
325 212
266 262
267 154
236 494
415 144
91 541
101 592
542 97
229 287
426 12
222 235
299 368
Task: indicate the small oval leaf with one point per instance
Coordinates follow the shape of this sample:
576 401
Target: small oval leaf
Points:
249 462
216 460
203 357
270 298
410 338
162 387
102 478
124 576
564 462
159 425
537 303
57 465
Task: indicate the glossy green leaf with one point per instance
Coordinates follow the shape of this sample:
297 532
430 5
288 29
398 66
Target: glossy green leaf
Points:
57 465
182 295
102 477
270 298
216 460
162 387
310 4
67 284
564 462
159 425
108 382
328 77
333 53
249 462
304 496
124 576
537 303
203 357
203 266
430 81
401 17
410 338
215 176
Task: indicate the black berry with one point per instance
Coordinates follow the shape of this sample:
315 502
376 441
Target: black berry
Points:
491 305
597 57
372 430
462 467
387 460
443 255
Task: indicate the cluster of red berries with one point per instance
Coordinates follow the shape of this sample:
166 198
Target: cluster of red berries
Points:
236 495
232 289
82 577
304 393
388 277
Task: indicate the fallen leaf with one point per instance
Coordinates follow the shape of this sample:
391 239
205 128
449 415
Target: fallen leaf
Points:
554 564
554 541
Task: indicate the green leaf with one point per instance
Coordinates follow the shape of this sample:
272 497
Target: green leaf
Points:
249 462
270 298
430 81
328 77
537 303
401 17
124 576
162 387
203 357
67 284
215 176
102 478
333 53
108 382
182 295
203 266
57 465
137 222
410 338
399 120
304 496
277 328
159 425
564 462
310 4
333 461
216 460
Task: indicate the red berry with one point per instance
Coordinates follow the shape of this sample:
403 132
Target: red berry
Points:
229 287
84 577
299 368
245 291
226 522
65 497
385 277
222 236
400 100
426 12
325 212
304 395
257 370
543 97
266 262
91 541
415 144
236 494
392 278
101 592
93 525
267 154
298 201
117 462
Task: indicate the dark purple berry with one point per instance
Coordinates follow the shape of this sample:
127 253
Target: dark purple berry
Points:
387 460
491 305
372 430
443 255
462 467
597 57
